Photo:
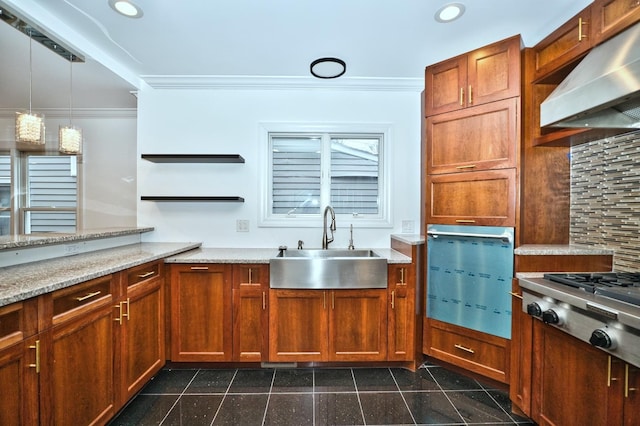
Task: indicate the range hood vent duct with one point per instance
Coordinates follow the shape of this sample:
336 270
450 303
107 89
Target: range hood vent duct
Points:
603 91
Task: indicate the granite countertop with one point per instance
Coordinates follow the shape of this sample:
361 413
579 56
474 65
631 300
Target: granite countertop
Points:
560 249
22 282
257 255
413 239
34 240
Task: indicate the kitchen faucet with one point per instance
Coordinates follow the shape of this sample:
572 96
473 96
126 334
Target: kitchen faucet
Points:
325 239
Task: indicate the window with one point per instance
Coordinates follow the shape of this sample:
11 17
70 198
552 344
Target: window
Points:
308 170
50 194
5 194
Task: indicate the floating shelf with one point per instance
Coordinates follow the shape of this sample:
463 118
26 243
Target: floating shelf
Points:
229 199
193 158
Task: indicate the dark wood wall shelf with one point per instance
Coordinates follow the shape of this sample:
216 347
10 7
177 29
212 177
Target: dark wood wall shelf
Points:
228 199
193 158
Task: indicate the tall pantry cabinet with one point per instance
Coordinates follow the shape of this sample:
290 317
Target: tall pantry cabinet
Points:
471 157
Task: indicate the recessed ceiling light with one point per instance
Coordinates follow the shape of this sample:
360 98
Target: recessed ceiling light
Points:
449 12
126 8
328 68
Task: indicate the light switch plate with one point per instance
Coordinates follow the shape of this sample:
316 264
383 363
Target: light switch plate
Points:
242 225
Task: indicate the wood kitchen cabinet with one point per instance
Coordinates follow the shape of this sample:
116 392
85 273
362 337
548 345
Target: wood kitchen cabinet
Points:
19 363
484 75
613 16
521 353
250 312
401 309
478 198
327 325
485 137
563 47
201 312
140 327
77 375
570 379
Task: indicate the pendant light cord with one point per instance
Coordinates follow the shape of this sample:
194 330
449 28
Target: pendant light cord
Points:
70 87
30 71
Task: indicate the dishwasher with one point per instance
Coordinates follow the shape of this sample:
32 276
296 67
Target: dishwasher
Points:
469 273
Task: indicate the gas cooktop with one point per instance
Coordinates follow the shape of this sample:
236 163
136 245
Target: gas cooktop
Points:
622 286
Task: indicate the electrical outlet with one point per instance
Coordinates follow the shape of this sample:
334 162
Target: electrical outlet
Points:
407 227
242 225
71 249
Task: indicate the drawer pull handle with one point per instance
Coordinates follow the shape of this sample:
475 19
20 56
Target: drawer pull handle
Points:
519 296
37 349
470 166
465 221
464 348
393 299
88 296
581 34
146 274
199 268
264 300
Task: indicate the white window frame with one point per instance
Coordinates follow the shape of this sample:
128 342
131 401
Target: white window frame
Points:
268 219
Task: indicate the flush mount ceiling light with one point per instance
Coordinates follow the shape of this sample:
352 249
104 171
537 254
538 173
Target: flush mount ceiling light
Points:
449 12
328 68
126 8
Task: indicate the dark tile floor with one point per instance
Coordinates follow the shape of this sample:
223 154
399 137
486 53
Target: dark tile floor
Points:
320 396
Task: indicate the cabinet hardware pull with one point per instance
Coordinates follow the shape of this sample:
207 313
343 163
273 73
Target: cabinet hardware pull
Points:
146 274
626 382
470 96
519 296
581 34
333 300
470 166
88 296
402 276
324 300
393 299
37 349
250 277
465 221
462 96
128 314
264 300
199 268
464 348
118 319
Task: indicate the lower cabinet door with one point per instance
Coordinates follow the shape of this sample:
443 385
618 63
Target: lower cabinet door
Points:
298 325
201 313
19 402
358 325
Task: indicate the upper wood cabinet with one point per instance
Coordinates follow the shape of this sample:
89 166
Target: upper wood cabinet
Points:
563 46
251 312
201 312
478 77
612 16
482 138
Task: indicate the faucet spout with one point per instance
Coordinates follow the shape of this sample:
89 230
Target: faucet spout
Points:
332 227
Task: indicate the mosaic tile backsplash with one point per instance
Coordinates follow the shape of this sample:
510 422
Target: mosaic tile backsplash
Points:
605 197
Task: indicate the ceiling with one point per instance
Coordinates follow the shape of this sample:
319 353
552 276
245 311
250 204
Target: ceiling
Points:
378 39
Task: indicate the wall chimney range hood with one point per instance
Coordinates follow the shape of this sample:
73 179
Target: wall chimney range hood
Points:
602 91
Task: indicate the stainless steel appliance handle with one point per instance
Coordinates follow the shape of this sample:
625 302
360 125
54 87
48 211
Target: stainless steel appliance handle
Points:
506 237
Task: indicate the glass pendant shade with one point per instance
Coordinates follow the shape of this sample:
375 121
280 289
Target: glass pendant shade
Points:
30 128
70 138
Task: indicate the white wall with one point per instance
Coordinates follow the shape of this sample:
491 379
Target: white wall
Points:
217 121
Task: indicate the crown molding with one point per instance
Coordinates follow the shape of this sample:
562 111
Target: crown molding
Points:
77 112
177 82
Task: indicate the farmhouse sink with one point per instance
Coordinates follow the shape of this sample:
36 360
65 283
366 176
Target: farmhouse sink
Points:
328 269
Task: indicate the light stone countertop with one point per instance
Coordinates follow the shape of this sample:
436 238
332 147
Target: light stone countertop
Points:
560 249
413 239
258 255
43 239
22 282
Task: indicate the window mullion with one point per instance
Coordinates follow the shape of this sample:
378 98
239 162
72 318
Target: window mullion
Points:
325 161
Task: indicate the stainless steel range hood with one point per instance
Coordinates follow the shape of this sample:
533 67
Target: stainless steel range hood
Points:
603 91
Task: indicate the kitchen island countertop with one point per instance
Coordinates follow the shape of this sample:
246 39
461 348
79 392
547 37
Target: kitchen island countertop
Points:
560 250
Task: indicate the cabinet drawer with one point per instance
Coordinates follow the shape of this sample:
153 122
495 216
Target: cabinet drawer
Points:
480 138
144 272
478 198
70 299
478 352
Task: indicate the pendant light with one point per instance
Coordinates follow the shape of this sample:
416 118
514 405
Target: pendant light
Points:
70 137
29 126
